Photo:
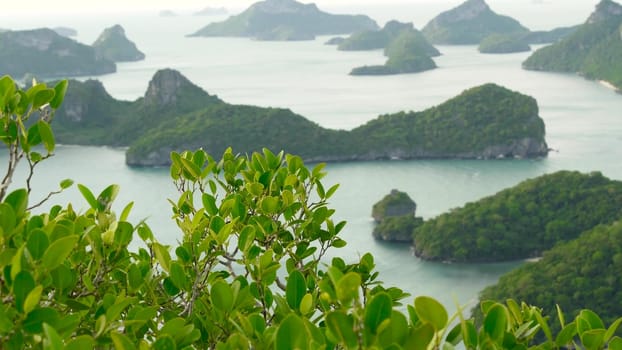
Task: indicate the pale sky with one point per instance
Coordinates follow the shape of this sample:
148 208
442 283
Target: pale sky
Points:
23 7
64 6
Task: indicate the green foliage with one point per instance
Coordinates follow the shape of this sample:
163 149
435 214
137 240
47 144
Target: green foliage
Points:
575 275
592 50
45 53
468 24
247 271
497 43
549 209
270 19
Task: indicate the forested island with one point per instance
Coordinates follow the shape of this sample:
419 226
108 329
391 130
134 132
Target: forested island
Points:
484 122
395 217
113 45
576 275
523 221
45 53
408 51
286 20
469 23
498 43
593 50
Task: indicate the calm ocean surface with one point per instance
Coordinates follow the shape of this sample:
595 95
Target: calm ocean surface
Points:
583 121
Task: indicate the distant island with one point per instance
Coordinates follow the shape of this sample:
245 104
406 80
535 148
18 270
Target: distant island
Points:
407 50
113 45
469 23
592 50
167 13
576 275
498 43
395 217
66 31
286 20
484 122
523 221
211 11
45 53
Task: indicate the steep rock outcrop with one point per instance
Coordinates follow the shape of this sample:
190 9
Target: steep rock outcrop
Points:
115 46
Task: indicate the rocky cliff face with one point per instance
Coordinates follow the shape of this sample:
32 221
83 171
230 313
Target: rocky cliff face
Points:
165 88
604 10
115 46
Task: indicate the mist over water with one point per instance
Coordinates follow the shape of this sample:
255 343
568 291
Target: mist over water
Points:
582 120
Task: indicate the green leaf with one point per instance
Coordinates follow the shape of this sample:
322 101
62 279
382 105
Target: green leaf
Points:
495 322
295 289
8 220
191 171
430 310
420 338
107 196
35 319
545 326
593 339
45 132
23 283
566 334
341 327
348 287
80 343
18 199
178 275
292 334
162 255
32 300
121 341
52 340
164 342
377 310
42 97
88 195
126 211
209 203
270 205
611 331
592 318
34 137
246 239
7 90
65 184
59 94
58 251
615 343
306 304
222 296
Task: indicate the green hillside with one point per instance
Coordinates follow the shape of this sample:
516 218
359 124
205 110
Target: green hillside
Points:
483 122
523 221
469 23
593 50
580 274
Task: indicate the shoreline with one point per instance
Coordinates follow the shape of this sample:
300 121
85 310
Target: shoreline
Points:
608 85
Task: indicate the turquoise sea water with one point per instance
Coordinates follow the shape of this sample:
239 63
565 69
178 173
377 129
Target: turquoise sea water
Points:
583 120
